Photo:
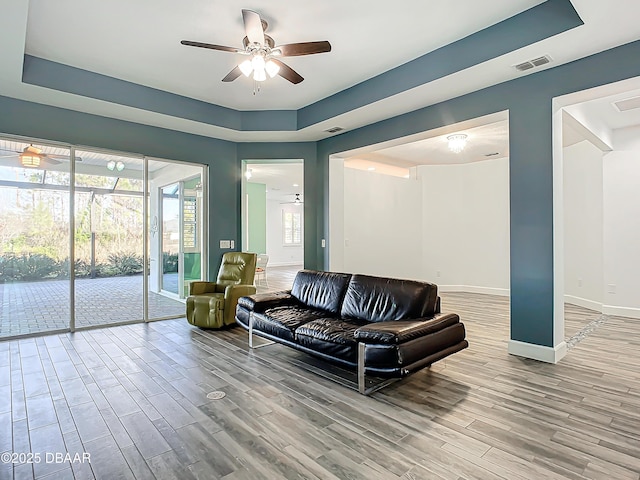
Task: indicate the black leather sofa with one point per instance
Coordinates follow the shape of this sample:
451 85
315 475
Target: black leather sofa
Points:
381 327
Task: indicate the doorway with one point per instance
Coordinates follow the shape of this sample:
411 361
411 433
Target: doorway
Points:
273 218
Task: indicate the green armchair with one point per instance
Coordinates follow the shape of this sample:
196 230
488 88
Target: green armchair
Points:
213 304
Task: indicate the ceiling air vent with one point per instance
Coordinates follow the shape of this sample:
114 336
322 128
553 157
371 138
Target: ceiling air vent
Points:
334 129
536 62
627 104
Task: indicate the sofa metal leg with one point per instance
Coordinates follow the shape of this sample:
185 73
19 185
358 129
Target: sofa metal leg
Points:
251 345
362 379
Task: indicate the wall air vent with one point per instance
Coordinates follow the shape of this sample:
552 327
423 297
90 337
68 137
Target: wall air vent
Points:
334 129
627 104
536 62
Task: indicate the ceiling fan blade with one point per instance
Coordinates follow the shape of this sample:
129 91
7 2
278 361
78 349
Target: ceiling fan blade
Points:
304 48
51 161
287 72
232 75
209 46
253 26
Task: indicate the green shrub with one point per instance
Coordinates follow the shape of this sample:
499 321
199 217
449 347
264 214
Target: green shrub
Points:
28 267
82 269
126 263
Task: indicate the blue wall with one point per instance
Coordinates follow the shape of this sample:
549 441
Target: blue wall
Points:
528 100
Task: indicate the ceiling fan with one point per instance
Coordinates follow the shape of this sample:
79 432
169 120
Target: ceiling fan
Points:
296 201
33 157
263 56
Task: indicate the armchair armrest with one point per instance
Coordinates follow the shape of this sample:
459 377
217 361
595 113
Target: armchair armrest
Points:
198 287
234 292
400 331
262 301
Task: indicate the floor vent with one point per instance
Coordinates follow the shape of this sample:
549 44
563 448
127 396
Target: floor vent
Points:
536 62
627 104
216 395
334 129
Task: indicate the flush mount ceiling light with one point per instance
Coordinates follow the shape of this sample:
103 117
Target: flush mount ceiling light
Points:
457 142
248 174
262 54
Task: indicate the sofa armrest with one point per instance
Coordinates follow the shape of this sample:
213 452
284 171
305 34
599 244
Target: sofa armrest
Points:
198 288
400 331
262 301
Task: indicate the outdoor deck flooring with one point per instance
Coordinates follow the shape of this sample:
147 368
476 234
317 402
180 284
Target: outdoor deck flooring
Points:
40 307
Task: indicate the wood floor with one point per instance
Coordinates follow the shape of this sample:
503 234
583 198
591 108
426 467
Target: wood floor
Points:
135 399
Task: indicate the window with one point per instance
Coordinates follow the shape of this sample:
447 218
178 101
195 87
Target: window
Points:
291 228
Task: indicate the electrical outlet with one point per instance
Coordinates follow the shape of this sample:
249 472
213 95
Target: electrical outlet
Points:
323 243
233 244
438 273
611 288
579 282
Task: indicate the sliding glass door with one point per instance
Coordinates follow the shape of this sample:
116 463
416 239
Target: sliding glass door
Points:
109 238
91 238
34 238
177 240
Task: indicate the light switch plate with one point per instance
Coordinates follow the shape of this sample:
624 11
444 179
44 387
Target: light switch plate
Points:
225 243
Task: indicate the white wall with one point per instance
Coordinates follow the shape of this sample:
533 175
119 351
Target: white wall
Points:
450 226
278 253
583 225
621 199
382 225
466 226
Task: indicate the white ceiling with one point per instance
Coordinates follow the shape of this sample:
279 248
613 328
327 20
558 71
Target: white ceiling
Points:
139 42
283 180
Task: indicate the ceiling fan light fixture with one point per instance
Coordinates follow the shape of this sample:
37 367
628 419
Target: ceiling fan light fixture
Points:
30 160
259 75
457 142
272 68
246 68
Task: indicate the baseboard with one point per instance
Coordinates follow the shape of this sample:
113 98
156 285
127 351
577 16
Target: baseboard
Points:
538 352
583 302
621 311
294 264
503 292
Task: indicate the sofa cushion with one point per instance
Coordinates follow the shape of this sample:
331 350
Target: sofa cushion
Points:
379 299
331 336
320 290
283 321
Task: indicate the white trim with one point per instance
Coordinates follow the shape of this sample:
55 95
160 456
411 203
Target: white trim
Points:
621 311
503 292
285 264
538 352
583 302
